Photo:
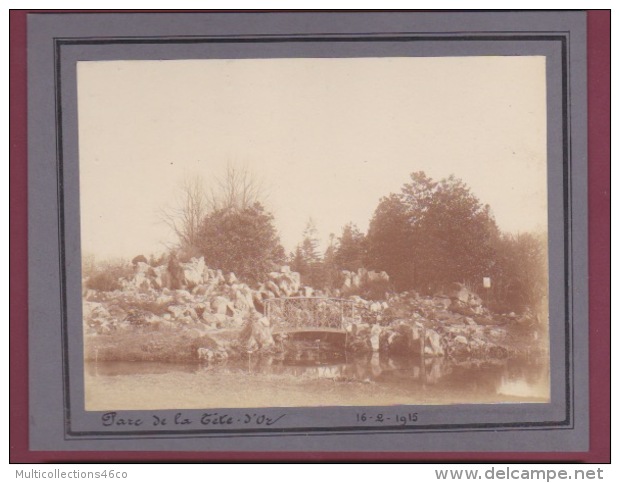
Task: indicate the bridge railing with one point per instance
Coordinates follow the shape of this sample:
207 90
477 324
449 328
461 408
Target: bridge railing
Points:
295 313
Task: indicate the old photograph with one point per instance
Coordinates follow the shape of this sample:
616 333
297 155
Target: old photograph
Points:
310 232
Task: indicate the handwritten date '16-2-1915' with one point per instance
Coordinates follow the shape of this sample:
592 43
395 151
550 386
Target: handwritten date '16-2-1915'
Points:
384 418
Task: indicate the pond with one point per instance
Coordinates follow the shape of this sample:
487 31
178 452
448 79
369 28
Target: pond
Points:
312 378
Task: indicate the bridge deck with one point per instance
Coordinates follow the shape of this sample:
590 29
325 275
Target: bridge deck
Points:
332 330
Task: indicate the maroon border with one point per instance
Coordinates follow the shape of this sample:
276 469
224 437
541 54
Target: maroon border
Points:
599 185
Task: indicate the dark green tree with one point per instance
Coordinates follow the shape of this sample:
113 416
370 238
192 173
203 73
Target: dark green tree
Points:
520 275
418 195
330 268
350 253
432 234
297 261
310 243
389 242
241 240
307 259
453 237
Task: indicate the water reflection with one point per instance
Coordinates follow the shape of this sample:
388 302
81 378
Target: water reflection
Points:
524 378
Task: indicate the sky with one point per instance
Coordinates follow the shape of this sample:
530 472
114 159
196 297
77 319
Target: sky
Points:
327 138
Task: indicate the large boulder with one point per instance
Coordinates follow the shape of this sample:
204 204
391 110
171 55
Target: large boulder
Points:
362 279
164 299
231 278
373 276
346 280
183 313
214 276
432 343
175 272
182 297
202 307
459 346
403 339
295 279
93 309
97 318
460 292
243 301
287 282
160 278
214 320
375 307
141 278
285 288
273 288
193 272
256 334
222 305
202 290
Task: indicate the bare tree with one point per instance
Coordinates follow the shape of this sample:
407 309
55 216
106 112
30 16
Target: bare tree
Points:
185 218
238 188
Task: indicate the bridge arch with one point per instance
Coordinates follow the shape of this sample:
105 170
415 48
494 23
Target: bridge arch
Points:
311 314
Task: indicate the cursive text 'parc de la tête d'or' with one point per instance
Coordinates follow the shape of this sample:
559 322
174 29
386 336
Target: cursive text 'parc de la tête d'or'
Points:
113 419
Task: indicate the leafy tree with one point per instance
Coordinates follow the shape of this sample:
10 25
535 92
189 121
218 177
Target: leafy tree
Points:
390 242
520 275
241 240
454 237
431 234
418 195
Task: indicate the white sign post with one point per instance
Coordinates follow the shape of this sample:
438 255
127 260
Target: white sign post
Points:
486 283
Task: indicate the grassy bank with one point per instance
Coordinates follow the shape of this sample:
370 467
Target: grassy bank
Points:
153 345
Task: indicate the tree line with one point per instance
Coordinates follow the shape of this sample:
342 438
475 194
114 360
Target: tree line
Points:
426 237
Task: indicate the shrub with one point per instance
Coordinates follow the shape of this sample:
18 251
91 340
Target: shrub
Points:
106 277
244 241
375 290
104 282
147 306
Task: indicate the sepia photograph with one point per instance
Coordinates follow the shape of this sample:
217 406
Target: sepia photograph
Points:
311 232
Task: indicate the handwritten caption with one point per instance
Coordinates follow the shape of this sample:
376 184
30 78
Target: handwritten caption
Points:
217 419
113 419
